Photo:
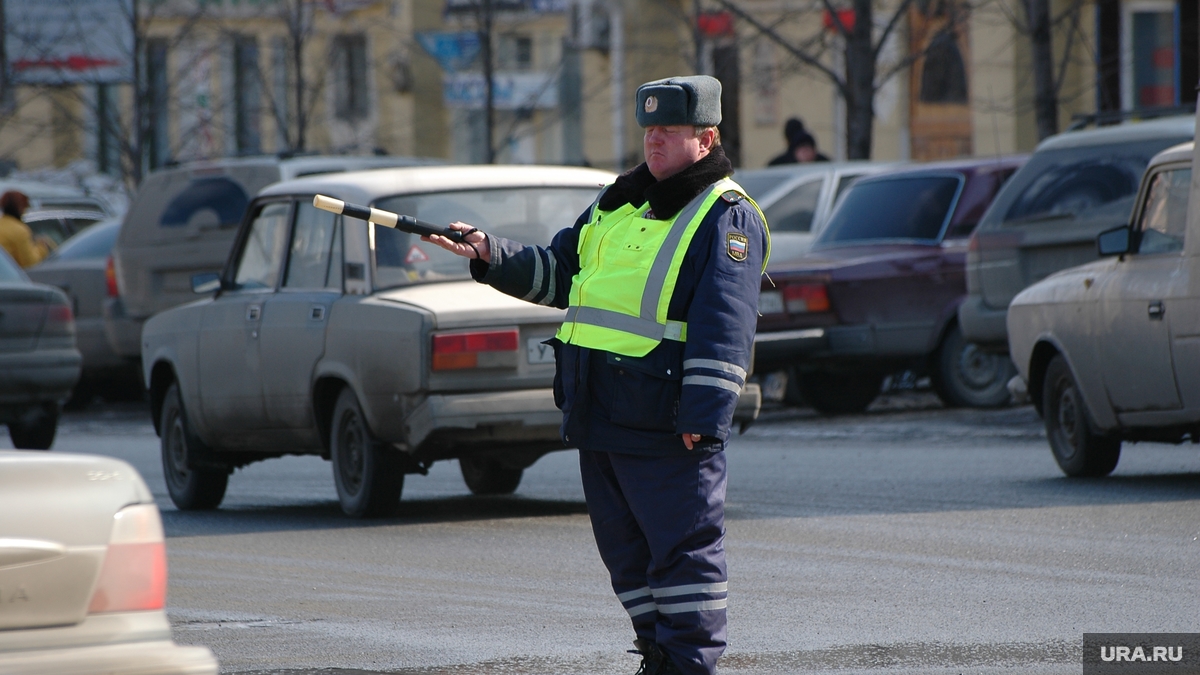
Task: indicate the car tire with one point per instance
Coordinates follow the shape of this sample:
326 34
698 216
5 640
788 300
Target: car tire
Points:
837 393
487 476
36 428
1078 450
366 472
965 376
190 488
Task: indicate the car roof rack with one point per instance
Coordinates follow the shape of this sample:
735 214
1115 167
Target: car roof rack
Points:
1107 117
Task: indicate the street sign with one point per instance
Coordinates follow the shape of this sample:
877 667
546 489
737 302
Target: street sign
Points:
453 51
510 91
535 6
69 41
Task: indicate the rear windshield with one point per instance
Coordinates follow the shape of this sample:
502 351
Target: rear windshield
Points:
94 242
176 204
1073 186
902 208
1096 183
527 215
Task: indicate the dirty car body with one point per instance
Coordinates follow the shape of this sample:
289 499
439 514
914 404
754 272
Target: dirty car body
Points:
877 294
363 344
1109 350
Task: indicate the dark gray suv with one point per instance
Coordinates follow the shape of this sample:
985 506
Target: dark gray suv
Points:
182 222
1047 216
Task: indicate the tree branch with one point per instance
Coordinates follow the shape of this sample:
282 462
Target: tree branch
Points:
889 28
803 57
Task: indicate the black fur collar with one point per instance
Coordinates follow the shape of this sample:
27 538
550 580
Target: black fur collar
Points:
668 196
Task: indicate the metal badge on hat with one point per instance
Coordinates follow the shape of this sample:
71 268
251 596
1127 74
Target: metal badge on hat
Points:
651 104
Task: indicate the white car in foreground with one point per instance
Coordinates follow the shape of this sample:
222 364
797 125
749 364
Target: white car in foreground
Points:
83 571
1110 350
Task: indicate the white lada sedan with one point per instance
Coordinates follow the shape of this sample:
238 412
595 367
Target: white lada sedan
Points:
362 344
1110 350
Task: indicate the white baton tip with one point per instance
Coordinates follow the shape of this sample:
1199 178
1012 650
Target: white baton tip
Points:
328 203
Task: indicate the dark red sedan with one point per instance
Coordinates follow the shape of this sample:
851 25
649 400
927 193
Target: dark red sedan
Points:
879 291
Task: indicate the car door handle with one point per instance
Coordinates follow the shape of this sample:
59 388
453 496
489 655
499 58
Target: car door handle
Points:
316 312
1156 310
253 312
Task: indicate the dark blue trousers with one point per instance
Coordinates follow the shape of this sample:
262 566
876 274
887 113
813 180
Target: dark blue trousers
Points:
660 527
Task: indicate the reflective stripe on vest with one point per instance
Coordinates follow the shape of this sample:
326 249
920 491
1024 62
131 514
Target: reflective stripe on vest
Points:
632 320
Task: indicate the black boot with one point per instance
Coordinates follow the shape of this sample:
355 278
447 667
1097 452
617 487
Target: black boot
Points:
654 661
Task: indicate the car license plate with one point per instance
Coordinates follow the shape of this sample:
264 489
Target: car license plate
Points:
538 352
770 302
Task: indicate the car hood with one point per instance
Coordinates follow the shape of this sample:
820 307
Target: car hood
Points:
835 261
468 303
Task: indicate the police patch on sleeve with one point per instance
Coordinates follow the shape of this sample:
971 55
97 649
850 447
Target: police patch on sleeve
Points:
736 245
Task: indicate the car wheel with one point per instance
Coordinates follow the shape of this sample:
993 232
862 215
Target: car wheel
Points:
487 476
191 489
839 393
966 376
367 473
1078 451
35 429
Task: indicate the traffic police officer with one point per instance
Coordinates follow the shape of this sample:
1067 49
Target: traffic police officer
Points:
660 280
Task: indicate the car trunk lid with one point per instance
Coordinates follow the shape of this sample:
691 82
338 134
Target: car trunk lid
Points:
467 308
23 311
56 516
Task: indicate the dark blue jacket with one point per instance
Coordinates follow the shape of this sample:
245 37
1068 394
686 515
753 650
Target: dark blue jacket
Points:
641 405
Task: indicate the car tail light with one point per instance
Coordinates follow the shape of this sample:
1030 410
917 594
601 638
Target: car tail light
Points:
484 349
60 321
134 574
110 277
800 298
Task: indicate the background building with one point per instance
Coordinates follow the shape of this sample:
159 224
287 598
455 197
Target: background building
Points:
141 83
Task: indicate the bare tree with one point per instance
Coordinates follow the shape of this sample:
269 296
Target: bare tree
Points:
1035 20
94 107
862 41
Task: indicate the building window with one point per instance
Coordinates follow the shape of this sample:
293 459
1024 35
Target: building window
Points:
515 53
246 95
1148 55
157 96
350 76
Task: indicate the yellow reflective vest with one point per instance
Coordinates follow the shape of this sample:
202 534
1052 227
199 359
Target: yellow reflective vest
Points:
628 266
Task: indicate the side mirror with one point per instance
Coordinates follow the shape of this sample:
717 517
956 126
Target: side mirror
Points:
1116 241
206 282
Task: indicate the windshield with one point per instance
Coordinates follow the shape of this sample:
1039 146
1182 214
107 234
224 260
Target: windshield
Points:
907 208
94 242
527 215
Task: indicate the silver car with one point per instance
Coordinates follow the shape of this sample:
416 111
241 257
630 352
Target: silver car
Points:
798 198
83 268
83 570
1109 350
39 363
363 344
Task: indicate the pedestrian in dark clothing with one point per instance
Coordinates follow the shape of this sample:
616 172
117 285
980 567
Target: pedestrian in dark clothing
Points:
802 146
660 281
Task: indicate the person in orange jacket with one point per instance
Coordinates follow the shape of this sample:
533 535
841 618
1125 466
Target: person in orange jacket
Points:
15 235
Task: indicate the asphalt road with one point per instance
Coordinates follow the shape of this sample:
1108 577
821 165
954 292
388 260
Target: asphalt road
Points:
912 539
